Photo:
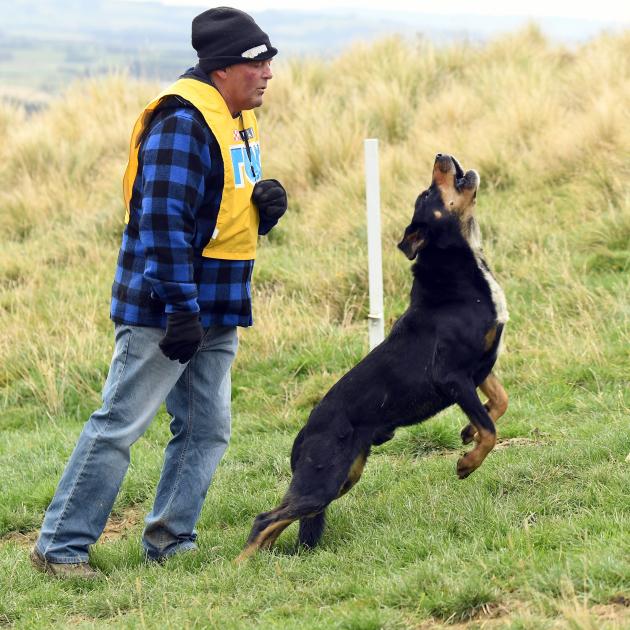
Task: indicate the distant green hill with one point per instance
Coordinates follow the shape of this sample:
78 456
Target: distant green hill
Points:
46 44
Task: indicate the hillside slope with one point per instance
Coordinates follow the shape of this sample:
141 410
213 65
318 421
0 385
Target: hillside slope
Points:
540 532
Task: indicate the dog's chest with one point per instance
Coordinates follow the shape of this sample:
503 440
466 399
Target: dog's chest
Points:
496 292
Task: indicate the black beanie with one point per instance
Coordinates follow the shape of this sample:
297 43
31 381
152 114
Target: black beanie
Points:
224 36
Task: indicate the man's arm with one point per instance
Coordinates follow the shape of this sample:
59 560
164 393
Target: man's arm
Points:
175 159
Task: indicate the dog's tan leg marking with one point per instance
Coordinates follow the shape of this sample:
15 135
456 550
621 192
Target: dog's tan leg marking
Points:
471 461
488 339
272 536
497 397
354 474
496 405
265 539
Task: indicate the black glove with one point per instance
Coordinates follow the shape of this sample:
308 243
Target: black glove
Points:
270 198
183 336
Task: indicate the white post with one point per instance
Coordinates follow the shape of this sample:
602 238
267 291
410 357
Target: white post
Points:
375 266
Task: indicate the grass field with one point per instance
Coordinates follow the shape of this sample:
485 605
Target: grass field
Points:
538 537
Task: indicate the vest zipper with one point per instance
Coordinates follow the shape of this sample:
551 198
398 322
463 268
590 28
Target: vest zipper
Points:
249 151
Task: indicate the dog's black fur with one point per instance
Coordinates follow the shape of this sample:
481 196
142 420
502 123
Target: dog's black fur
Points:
441 349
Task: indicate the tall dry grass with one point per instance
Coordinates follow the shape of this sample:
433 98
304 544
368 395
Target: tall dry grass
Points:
547 127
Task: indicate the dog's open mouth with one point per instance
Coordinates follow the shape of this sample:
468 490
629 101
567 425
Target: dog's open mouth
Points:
447 165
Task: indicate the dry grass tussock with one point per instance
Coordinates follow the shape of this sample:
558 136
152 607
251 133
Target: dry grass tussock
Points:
544 126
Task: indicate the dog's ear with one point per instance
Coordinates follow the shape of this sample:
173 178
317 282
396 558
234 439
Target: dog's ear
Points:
413 241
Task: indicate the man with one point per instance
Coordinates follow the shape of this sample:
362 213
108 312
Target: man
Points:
195 207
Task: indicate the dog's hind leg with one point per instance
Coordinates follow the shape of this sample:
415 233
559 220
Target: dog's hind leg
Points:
355 472
296 448
496 405
269 525
266 529
324 470
312 527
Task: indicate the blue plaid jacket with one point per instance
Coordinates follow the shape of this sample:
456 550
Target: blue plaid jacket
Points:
174 207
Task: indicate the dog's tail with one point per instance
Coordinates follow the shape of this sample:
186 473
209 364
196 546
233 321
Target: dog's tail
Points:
311 529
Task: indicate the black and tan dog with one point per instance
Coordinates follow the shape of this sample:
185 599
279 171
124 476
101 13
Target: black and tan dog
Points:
437 354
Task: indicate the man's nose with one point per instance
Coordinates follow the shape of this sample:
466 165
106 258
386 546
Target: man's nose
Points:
267 73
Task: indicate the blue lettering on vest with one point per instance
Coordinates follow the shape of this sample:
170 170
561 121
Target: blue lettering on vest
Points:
242 166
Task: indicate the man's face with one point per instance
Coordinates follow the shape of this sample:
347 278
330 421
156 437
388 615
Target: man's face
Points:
245 84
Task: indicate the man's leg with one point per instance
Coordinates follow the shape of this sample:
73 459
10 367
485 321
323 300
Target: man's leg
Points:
200 408
140 377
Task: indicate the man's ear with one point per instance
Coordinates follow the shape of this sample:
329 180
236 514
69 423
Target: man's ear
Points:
413 240
219 72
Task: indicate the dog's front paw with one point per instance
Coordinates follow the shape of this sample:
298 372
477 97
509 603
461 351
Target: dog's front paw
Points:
468 434
465 467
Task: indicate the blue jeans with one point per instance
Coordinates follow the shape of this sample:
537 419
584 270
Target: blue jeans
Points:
140 378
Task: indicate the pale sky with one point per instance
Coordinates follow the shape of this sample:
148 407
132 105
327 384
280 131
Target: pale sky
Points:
606 10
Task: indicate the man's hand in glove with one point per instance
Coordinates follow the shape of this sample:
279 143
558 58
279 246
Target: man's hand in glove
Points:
270 198
183 336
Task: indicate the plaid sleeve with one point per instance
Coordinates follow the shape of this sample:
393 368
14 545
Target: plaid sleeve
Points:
175 160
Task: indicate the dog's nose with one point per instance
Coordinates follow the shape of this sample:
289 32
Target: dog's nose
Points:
444 163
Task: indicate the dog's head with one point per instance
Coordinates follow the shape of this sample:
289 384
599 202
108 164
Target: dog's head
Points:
446 204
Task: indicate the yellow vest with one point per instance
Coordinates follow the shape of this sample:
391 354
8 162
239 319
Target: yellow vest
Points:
236 231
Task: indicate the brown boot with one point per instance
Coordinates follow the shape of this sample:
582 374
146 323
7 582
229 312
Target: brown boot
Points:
61 570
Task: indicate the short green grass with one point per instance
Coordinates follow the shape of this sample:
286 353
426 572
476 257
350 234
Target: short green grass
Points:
538 537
